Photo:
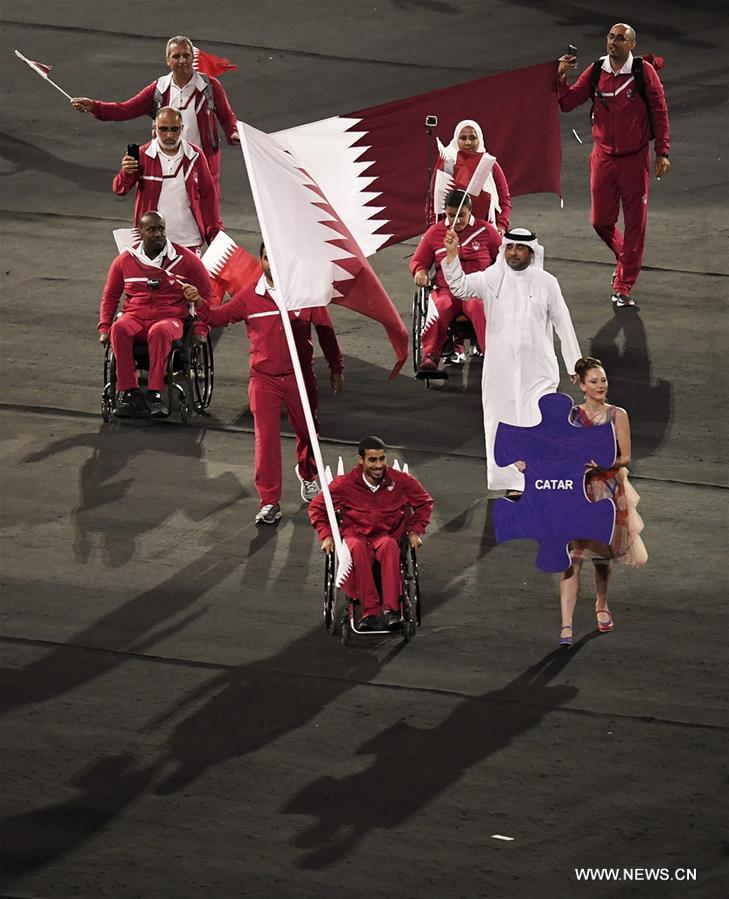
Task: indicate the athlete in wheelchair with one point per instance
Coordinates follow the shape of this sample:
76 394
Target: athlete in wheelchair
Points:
155 342
382 513
439 319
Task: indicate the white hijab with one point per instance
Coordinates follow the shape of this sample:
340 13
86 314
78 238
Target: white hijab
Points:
450 153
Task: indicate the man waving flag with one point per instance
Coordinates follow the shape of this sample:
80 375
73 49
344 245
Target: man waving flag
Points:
314 260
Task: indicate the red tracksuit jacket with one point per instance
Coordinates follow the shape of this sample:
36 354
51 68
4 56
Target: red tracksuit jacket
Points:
203 196
480 244
143 104
129 275
623 127
400 504
269 352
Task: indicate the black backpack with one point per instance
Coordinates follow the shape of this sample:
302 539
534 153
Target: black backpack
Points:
639 77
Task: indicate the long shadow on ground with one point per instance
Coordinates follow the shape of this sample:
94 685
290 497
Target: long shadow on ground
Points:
412 766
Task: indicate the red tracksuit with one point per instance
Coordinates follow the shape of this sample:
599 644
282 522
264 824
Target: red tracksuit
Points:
620 158
480 244
204 202
372 524
142 104
154 315
272 382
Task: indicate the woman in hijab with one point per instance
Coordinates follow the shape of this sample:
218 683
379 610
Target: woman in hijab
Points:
456 166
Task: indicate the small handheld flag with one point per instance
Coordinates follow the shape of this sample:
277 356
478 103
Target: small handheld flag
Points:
42 69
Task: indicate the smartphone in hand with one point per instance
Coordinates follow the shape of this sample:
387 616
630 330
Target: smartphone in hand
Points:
133 151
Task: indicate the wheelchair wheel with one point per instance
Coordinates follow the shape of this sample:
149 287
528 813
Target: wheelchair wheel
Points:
411 589
420 310
108 395
201 375
329 593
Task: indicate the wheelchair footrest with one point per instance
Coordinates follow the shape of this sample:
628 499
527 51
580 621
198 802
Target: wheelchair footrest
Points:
435 375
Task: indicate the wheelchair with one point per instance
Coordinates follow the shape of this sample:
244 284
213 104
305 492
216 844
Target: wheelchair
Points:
459 331
341 612
189 380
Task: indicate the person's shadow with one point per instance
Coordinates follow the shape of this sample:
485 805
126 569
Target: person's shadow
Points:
104 789
622 346
153 615
412 765
119 466
30 157
246 708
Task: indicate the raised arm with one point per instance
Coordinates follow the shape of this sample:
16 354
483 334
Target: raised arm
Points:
460 284
140 104
571 97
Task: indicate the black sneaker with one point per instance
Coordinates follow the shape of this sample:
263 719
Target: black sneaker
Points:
368 623
131 404
392 619
157 406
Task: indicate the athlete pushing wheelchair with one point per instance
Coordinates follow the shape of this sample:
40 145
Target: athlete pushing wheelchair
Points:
377 508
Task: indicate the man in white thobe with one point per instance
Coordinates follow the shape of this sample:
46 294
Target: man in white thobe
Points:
523 306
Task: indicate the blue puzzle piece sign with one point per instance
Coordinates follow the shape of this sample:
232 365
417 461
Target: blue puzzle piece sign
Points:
554 508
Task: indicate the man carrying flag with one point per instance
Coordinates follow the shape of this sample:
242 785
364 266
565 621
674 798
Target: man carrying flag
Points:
199 97
272 383
314 260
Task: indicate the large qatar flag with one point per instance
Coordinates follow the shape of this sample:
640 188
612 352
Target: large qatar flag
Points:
314 257
373 164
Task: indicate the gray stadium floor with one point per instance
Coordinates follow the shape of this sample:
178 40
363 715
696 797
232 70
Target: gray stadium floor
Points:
177 722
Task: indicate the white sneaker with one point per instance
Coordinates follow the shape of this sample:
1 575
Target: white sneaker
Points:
269 514
309 489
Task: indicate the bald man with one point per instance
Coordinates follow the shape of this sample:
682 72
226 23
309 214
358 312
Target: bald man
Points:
623 124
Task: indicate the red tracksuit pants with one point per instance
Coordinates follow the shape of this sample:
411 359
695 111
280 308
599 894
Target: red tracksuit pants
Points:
267 394
615 180
449 308
159 336
386 550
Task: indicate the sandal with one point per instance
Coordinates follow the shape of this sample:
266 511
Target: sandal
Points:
604 626
567 640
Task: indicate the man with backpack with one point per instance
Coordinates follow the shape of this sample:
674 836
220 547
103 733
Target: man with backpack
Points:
200 99
629 110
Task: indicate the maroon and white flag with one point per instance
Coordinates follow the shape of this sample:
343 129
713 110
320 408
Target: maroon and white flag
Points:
207 64
315 258
373 164
231 268
41 68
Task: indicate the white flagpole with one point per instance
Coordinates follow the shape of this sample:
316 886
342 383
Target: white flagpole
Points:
44 77
313 436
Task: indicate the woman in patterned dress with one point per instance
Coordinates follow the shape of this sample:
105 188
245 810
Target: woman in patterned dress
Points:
626 545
